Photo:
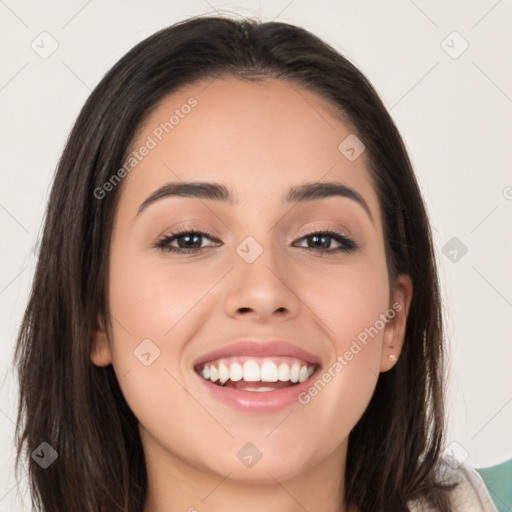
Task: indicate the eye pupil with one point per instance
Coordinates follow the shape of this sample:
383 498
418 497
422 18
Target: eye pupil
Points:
325 240
188 238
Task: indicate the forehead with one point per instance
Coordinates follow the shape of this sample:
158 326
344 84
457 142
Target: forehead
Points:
258 138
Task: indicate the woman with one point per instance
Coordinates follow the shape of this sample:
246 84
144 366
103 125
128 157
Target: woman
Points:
236 301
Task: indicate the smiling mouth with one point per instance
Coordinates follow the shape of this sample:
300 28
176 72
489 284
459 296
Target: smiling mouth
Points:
256 374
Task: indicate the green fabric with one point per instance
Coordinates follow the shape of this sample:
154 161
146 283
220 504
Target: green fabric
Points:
498 480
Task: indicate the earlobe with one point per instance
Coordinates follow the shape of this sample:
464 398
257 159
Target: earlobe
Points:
394 334
101 354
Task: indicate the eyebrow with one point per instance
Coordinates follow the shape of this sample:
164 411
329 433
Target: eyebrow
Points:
219 192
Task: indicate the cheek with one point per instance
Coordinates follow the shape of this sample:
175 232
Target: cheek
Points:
350 304
153 300
156 309
349 310
348 299
155 312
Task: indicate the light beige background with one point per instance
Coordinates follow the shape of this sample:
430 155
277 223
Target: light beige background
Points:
455 115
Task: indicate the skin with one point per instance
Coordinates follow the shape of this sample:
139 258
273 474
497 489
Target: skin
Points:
258 139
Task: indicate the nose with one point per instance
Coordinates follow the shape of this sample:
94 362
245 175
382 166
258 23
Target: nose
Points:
263 290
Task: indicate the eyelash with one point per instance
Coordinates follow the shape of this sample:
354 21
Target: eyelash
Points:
347 245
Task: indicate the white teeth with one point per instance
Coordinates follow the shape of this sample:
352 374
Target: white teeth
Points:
251 371
214 374
284 372
223 372
294 372
269 372
236 372
303 374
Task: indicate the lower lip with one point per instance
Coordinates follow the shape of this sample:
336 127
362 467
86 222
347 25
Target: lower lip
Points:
258 401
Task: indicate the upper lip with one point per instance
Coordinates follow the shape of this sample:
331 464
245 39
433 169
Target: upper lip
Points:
254 348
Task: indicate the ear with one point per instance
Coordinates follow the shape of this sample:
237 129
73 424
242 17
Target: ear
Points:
101 353
394 332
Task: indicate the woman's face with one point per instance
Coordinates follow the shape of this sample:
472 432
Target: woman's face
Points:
258 274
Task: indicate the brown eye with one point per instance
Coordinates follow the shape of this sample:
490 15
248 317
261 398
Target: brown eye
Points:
322 240
187 241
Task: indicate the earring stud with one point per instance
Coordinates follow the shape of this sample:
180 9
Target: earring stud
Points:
392 358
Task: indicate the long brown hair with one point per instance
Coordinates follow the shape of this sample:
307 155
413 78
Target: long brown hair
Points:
79 409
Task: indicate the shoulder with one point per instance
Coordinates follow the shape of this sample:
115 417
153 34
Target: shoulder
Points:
470 495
